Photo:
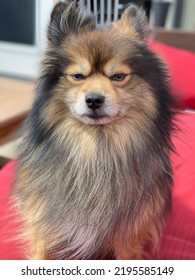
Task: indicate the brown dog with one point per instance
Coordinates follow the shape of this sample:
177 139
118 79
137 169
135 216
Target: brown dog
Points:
94 176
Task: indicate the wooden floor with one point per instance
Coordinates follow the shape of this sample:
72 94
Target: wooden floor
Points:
16 98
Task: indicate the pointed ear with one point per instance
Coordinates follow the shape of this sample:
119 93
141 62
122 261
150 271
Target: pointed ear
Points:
68 19
133 22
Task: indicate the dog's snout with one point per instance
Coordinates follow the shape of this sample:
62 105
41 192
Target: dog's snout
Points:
94 100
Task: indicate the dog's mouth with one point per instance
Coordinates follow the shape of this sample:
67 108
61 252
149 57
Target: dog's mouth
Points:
96 118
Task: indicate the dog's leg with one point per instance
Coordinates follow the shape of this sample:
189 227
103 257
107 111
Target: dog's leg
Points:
132 250
129 245
38 253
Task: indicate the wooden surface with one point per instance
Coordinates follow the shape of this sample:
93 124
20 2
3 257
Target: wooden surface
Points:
16 98
175 38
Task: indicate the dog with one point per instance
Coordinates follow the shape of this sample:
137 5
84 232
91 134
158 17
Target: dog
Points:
94 176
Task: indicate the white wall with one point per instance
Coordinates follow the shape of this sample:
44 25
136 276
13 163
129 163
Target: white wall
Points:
188 19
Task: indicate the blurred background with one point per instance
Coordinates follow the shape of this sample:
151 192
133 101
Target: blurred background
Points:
23 25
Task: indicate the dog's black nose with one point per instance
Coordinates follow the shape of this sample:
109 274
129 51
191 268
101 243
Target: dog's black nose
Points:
94 100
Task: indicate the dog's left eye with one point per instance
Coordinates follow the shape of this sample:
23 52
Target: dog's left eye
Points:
118 77
78 77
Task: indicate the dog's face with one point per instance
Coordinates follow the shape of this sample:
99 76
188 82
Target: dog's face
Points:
104 74
98 78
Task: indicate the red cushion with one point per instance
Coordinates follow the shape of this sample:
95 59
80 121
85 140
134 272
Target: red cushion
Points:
181 66
10 247
179 238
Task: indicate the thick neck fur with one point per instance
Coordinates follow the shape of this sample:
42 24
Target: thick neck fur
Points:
89 176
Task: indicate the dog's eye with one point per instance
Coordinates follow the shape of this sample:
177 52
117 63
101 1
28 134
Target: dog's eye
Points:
78 77
118 77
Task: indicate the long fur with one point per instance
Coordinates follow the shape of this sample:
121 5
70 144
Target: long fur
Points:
89 191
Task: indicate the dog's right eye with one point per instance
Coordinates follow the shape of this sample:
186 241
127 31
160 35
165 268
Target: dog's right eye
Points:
78 77
118 77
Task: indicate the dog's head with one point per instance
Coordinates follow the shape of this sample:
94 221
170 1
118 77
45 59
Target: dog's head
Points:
102 75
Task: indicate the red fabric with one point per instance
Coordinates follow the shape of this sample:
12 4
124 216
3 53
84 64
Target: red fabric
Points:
179 239
181 66
10 247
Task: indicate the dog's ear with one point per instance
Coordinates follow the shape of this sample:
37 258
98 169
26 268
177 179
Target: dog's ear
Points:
68 19
133 22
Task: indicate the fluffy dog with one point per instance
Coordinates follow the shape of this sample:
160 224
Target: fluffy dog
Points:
94 176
